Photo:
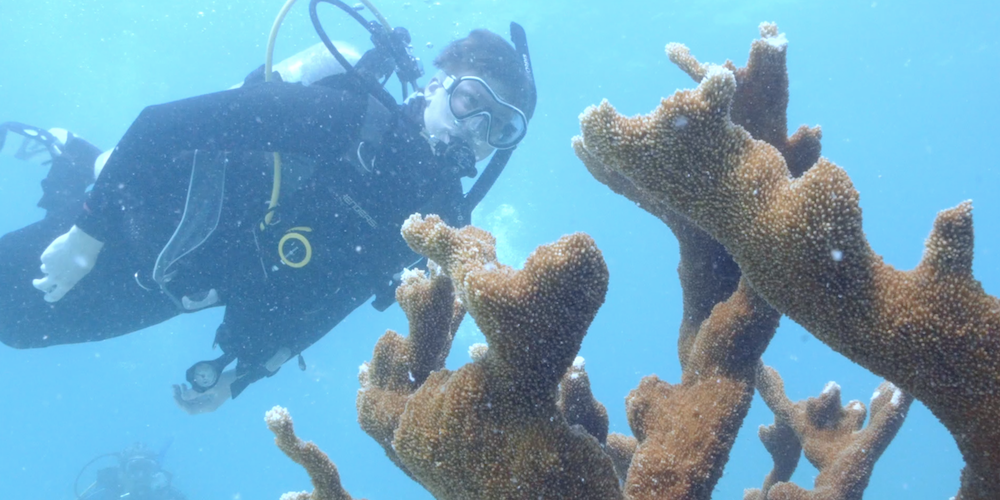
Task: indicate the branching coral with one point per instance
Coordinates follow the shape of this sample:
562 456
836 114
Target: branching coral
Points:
799 242
621 449
761 97
831 437
498 427
685 431
738 330
707 272
778 438
578 405
534 320
519 421
400 365
322 471
492 429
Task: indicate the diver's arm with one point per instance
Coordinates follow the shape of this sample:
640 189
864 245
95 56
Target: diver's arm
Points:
269 117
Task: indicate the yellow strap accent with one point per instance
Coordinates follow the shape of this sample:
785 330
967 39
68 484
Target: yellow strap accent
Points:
305 242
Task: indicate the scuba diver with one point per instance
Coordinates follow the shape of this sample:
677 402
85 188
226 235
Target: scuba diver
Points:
281 201
137 475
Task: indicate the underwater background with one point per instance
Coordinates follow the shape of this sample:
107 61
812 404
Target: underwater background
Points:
906 93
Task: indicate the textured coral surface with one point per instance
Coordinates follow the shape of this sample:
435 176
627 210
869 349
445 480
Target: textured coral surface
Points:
322 471
685 431
932 331
493 429
400 365
765 227
831 436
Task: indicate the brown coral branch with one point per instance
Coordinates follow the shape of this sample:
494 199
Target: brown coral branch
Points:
492 429
761 98
400 365
578 405
621 449
434 316
779 438
685 431
322 471
832 437
933 331
707 272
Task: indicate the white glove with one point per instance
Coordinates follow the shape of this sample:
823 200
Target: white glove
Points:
66 261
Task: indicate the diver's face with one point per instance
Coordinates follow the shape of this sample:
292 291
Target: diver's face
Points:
441 124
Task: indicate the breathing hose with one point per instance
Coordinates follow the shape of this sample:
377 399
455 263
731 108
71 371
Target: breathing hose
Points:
377 14
272 204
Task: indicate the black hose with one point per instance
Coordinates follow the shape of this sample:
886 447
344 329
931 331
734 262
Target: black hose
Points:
76 482
314 17
375 89
485 181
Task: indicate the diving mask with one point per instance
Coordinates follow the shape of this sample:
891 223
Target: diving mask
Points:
502 125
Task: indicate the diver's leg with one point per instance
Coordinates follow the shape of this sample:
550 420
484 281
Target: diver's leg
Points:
106 303
71 158
65 187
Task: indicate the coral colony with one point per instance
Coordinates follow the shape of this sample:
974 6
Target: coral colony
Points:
766 228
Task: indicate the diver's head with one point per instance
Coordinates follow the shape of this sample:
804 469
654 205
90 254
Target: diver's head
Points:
140 474
482 94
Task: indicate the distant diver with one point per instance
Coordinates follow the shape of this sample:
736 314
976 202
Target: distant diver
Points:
281 199
136 475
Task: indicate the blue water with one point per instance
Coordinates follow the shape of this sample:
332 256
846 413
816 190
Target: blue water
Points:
906 92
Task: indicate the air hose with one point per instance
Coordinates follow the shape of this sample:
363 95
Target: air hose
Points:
272 204
378 15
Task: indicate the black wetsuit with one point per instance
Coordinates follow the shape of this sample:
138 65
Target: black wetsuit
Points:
349 211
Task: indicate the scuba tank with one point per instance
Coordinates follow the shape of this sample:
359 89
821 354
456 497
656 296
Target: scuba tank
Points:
308 66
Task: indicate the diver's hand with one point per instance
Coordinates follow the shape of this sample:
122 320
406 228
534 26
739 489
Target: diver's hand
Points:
194 402
66 261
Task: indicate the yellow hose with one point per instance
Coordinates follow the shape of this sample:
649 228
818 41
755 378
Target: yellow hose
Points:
269 56
272 204
378 15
